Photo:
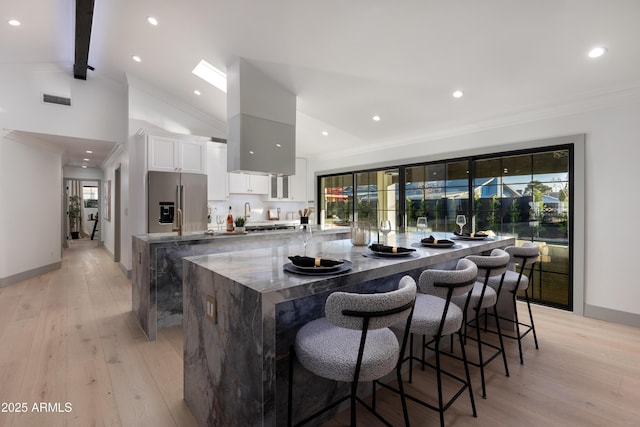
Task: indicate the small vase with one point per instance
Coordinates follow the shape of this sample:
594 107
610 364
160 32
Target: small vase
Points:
239 229
360 234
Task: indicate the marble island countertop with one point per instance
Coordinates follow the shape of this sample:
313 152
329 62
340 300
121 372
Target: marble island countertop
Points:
262 269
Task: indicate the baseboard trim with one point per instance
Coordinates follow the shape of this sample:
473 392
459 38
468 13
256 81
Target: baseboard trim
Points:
125 271
10 280
106 249
610 315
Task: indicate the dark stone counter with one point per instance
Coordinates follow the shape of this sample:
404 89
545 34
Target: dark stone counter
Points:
157 266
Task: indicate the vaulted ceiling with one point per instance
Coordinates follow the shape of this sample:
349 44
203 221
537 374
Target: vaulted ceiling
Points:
350 60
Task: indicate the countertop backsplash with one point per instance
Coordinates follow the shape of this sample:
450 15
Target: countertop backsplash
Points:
259 208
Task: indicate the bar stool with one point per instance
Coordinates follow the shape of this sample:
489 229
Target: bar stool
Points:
514 281
353 343
436 317
484 297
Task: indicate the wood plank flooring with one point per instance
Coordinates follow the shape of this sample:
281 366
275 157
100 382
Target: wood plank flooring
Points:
69 337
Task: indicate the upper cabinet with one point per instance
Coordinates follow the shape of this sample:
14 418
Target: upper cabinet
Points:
243 183
217 177
172 154
279 187
290 188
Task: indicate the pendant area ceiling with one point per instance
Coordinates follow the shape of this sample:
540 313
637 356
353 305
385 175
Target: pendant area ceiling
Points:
349 61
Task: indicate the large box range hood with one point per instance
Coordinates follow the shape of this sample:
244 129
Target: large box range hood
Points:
261 122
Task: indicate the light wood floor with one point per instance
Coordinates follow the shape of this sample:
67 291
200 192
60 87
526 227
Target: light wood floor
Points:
70 336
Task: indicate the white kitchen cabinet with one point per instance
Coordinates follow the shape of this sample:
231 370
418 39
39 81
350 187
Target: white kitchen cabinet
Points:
217 176
279 187
173 154
291 188
243 183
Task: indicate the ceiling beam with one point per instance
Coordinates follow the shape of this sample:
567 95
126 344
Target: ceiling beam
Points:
84 19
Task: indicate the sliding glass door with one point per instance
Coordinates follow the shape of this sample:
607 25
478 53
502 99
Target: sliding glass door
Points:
526 195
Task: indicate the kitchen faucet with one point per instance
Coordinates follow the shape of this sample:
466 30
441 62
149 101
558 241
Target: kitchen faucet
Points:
247 210
179 220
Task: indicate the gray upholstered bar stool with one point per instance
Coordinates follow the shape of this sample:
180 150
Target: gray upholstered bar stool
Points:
436 317
353 343
522 257
482 298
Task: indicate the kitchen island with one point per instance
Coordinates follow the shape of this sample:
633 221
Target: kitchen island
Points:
242 311
157 266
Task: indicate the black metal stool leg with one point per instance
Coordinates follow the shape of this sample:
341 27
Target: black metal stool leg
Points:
517 325
533 328
480 360
439 379
504 354
468 376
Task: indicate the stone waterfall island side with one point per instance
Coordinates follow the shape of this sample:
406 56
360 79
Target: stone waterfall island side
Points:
242 311
157 266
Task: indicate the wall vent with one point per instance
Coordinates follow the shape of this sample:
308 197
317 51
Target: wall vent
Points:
53 99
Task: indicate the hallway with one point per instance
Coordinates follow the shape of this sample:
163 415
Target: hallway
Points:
70 336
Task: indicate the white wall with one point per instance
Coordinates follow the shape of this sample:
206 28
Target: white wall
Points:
612 150
150 105
31 214
93 114
118 160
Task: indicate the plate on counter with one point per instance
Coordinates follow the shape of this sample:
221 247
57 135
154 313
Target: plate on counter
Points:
459 236
391 254
321 268
318 271
440 244
376 254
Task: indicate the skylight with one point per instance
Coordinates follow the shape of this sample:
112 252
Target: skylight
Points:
211 75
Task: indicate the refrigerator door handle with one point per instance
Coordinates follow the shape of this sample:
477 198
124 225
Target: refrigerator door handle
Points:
178 205
182 197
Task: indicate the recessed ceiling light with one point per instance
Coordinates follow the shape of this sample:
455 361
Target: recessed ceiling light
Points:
597 52
89 152
84 166
376 118
211 75
250 151
136 58
325 133
87 160
278 145
458 94
14 23
151 20
197 92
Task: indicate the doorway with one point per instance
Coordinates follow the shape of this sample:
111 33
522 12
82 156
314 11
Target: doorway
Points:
81 208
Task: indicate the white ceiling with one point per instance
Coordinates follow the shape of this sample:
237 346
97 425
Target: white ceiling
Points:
349 60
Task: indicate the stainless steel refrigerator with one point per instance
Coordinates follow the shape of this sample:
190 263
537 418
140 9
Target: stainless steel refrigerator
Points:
168 192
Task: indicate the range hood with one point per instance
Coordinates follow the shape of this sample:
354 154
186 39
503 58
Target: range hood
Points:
261 123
